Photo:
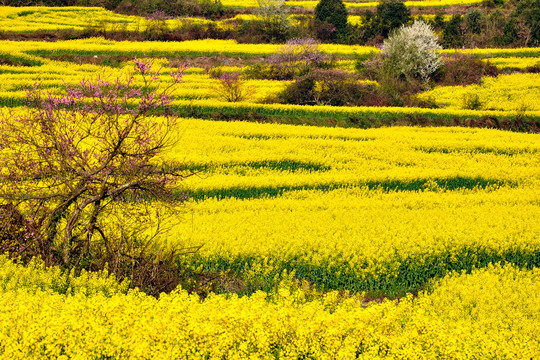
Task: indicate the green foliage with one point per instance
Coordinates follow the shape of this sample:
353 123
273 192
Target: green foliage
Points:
275 22
211 8
526 22
492 3
474 20
334 13
453 34
337 274
390 15
463 70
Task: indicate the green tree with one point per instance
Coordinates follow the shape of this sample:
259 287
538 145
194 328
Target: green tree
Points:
391 14
453 33
334 13
526 22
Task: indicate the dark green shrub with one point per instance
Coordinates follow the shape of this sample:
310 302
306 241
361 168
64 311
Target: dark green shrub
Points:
330 14
510 34
390 15
453 33
438 21
261 32
212 9
475 21
492 3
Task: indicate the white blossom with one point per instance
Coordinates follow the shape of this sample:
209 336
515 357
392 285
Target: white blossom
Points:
411 51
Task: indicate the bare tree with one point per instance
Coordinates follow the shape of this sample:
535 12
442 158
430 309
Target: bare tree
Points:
71 162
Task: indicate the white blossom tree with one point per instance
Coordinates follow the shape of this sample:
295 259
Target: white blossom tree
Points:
411 51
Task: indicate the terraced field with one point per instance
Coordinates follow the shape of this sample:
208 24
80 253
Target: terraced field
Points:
364 210
318 242
33 61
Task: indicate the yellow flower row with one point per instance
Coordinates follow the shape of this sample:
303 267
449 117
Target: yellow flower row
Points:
515 92
38 18
360 209
100 46
489 313
196 83
520 63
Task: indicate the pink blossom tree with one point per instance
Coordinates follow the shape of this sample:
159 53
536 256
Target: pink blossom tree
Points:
70 162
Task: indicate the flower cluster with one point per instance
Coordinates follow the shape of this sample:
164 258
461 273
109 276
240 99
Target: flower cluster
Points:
411 51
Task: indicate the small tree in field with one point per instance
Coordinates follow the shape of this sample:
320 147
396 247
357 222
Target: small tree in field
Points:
73 162
410 51
231 87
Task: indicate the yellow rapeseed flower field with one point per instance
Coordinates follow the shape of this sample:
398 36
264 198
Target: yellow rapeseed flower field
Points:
504 92
310 224
363 209
490 313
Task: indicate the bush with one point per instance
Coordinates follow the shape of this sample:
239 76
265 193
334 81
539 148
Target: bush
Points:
370 68
475 21
526 22
207 8
410 52
275 22
389 15
330 19
332 87
471 101
463 70
211 9
453 33
287 71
